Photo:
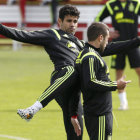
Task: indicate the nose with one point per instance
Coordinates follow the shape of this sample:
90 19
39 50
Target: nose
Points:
72 24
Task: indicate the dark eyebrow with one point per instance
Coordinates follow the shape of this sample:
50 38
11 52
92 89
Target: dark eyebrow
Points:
69 20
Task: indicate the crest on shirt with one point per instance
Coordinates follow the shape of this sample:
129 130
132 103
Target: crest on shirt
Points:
119 15
72 46
65 35
131 7
116 8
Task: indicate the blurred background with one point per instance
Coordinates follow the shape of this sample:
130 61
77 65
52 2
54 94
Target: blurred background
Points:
42 14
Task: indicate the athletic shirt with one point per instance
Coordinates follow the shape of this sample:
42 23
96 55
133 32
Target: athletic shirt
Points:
124 16
61 47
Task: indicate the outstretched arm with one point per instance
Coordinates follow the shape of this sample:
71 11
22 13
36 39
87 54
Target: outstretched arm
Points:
121 46
33 37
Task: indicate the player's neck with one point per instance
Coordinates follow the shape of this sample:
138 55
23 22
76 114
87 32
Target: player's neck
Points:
95 43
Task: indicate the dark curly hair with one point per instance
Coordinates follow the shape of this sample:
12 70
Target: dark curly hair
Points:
68 10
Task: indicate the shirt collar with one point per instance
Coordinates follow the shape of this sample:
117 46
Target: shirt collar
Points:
96 49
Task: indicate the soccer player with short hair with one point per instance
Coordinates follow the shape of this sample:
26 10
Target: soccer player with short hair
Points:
96 85
63 48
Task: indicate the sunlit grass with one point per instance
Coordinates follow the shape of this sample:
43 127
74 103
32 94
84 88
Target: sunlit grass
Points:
24 75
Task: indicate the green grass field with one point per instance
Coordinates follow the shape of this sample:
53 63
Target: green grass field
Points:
25 74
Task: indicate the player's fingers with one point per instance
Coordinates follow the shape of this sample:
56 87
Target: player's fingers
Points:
129 81
78 131
76 126
123 77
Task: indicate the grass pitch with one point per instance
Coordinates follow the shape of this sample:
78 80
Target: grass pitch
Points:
25 74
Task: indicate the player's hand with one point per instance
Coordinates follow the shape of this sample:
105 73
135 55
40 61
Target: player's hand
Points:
76 126
121 83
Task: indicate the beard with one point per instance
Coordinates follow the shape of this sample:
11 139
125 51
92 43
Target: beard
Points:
101 48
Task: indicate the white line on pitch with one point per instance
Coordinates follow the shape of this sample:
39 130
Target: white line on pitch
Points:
13 137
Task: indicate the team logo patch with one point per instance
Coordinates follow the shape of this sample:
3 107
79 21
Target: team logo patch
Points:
131 7
116 8
71 44
119 15
65 35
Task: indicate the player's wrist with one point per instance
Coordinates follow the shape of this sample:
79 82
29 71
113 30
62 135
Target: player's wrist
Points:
74 116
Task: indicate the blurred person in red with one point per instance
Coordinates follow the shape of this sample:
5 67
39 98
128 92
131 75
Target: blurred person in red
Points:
22 4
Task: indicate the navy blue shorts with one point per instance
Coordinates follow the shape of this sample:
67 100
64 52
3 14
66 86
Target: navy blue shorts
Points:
119 61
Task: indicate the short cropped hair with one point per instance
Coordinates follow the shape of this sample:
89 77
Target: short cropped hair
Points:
96 29
68 10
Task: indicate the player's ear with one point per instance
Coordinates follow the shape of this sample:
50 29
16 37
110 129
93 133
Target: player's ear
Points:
59 22
100 38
